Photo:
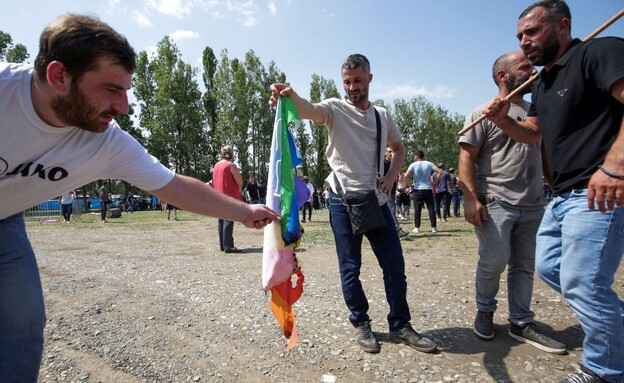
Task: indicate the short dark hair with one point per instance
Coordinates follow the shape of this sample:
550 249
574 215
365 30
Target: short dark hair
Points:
555 11
420 154
78 41
355 61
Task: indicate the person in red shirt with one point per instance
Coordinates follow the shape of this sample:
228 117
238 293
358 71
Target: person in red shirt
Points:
227 179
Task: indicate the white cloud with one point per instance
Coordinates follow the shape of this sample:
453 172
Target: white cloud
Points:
246 10
141 19
183 35
410 90
272 8
176 8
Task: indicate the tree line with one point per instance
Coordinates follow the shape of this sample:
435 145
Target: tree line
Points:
185 127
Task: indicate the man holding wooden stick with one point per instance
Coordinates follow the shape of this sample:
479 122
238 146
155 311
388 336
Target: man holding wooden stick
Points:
577 110
502 181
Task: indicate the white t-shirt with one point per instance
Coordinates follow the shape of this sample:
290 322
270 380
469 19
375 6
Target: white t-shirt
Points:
67 198
39 161
352 142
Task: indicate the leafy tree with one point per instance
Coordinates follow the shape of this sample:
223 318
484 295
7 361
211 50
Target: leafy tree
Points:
6 42
259 112
209 99
171 109
126 123
430 128
17 54
320 89
10 53
266 121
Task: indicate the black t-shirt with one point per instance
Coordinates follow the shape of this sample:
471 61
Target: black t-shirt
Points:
578 117
261 191
252 189
386 168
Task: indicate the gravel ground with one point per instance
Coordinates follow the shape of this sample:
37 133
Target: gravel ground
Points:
143 299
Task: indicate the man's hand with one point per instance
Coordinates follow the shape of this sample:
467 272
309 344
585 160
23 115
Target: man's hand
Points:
605 189
279 90
259 216
385 184
497 110
474 212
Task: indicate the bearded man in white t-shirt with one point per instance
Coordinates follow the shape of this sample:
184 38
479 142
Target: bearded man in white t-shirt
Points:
352 133
57 133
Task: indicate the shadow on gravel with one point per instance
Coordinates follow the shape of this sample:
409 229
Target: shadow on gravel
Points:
492 354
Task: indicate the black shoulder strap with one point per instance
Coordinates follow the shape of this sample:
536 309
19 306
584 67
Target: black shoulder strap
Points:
378 154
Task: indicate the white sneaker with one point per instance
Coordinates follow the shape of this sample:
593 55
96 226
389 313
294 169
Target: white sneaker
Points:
434 230
416 230
104 221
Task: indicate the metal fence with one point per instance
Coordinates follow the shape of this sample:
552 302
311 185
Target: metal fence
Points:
50 211
44 212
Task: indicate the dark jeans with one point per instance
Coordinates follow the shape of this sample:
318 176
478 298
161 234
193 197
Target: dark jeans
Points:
226 234
442 200
66 210
104 207
456 203
387 248
307 206
424 197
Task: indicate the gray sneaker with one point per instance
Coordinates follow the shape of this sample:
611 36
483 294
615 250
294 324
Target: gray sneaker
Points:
401 233
529 333
484 325
408 336
365 337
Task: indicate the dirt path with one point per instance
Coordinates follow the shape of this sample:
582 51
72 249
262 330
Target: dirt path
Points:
142 299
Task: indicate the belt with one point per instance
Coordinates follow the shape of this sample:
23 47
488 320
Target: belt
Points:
578 186
486 199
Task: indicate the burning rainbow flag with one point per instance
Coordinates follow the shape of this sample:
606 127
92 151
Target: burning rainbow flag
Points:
280 272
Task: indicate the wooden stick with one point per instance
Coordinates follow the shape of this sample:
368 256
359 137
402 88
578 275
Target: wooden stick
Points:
530 80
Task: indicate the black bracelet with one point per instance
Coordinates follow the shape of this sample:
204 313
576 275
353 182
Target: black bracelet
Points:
611 174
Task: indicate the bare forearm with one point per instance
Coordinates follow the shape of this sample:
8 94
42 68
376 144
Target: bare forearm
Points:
305 109
518 131
468 176
195 196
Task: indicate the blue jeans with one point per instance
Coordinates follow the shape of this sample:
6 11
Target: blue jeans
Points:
578 253
387 248
507 238
22 312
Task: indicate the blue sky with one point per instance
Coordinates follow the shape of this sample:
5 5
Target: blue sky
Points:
441 49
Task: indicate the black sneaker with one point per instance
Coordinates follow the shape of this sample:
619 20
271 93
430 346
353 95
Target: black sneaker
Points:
583 375
529 333
401 233
484 325
413 339
365 337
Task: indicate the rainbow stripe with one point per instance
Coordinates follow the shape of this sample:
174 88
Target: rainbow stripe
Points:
279 263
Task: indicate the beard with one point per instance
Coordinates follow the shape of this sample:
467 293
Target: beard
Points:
514 83
547 51
74 109
357 97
